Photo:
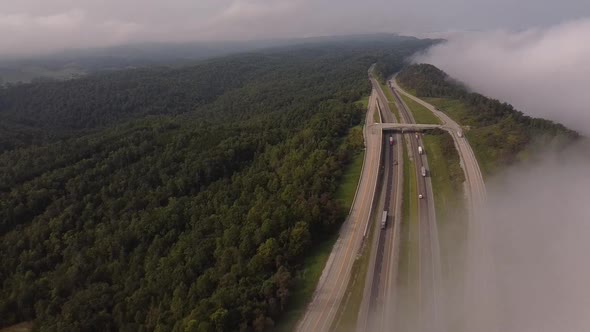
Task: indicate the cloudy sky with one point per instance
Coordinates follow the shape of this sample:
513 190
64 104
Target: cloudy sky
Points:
32 26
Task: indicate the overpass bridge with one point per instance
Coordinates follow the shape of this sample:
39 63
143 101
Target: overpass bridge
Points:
406 127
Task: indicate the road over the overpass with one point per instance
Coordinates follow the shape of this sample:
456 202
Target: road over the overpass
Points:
407 127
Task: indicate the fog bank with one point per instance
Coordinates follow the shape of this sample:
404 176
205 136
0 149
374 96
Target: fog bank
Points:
542 72
537 229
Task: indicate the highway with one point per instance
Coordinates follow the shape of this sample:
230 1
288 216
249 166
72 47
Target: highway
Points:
380 291
429 267
378 310
476 194
479 264
329 293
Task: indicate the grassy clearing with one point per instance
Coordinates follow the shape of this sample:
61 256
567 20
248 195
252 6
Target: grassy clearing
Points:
421 113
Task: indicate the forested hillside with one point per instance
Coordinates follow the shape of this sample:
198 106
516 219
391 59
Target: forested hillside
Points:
175 199
498 132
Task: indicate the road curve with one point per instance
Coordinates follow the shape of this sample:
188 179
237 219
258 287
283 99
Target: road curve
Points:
476 190
329 293
478 283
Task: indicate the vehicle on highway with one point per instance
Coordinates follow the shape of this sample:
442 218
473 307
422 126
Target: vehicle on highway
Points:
460 133
395 162
384 220
420 150
420 196
391 140
416 136
423 171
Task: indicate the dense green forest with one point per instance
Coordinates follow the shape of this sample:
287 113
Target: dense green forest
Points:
498 132
176 199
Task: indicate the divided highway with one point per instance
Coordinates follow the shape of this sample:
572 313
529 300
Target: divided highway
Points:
380 291
384 162
476 190
429 266
479 264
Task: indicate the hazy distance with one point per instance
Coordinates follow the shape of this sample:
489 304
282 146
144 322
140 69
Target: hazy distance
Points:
34 26
543 72
532 54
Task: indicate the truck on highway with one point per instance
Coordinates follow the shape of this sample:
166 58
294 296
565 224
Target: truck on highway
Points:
423 170
460 133
391 140
420 150
384 220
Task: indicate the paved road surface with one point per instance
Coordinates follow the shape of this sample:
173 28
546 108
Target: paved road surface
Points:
480 265
331 288
429 274
378 302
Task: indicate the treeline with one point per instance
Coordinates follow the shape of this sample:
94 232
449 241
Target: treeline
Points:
499 131
178 199
389 64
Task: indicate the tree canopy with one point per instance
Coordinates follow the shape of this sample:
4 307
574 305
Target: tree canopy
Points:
176 199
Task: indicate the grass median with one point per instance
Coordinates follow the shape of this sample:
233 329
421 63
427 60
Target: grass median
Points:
421 114
391 101
408 263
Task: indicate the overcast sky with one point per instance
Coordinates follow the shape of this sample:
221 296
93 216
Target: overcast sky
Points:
32 26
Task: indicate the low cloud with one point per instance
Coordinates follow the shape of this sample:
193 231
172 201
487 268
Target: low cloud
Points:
542 72
536 232
527 269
